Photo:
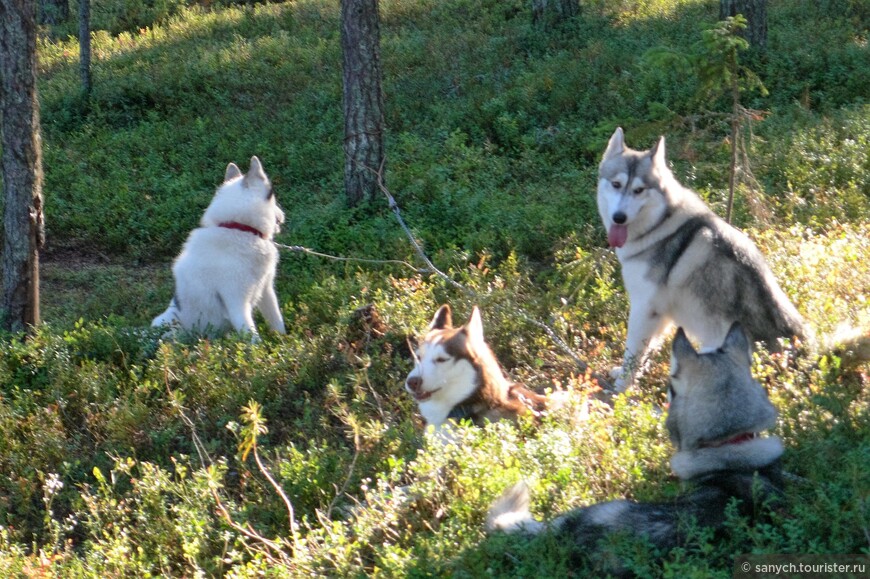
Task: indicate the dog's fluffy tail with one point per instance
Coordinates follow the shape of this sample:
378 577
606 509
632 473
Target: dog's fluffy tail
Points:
510 512
852 345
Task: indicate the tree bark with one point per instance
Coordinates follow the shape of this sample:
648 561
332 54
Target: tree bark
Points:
362 99
23 230
85 45
755 12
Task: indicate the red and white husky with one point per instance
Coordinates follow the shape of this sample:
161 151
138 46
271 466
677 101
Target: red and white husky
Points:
456 376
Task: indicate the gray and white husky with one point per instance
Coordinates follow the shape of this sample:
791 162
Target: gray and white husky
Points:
715 420
227 266
456 376
681 264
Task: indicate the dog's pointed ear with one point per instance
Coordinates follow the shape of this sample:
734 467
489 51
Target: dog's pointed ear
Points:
682 348
443 319
474 326
255 172
616 144
658 153
736 344
232 172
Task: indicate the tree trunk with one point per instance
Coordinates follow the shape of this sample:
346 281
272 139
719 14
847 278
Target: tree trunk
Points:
735 138
53 12
755 12
362 98
23 231
548 13
85 45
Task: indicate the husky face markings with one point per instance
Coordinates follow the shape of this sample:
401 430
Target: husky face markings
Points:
444 368
626 187
456 375
715 420
444 374
227 266
681 264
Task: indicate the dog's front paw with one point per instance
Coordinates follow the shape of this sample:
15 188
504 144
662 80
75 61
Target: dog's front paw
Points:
621 380
558 399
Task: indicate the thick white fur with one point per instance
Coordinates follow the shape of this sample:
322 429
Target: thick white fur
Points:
510 513
451 380
745 456
655 308
222 274
646 325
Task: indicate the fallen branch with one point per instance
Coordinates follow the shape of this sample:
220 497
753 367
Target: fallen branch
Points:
582 366
430 267
394 207
299 248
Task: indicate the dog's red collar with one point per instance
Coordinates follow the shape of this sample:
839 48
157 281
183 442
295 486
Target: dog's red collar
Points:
738 439
242 227
741 438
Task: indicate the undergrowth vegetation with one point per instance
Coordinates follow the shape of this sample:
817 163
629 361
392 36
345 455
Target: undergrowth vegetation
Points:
125 455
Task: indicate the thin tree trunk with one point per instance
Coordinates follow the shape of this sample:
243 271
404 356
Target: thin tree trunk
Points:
85 45
732 173
755 12
362 98
23 231
735 132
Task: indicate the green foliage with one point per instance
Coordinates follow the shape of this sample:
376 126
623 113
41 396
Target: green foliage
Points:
101 410
127 455
493 135
714 61
824 165
820 53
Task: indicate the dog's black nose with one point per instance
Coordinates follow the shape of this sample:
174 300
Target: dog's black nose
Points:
414 382
619 217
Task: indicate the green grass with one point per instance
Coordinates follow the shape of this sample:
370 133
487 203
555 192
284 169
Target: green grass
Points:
495 129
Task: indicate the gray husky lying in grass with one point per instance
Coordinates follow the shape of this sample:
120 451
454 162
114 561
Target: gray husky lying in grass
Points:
715 420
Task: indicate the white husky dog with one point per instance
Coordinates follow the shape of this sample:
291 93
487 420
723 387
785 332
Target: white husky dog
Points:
680 262
227 266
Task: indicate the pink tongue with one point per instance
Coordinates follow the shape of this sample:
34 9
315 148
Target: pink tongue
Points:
617 235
